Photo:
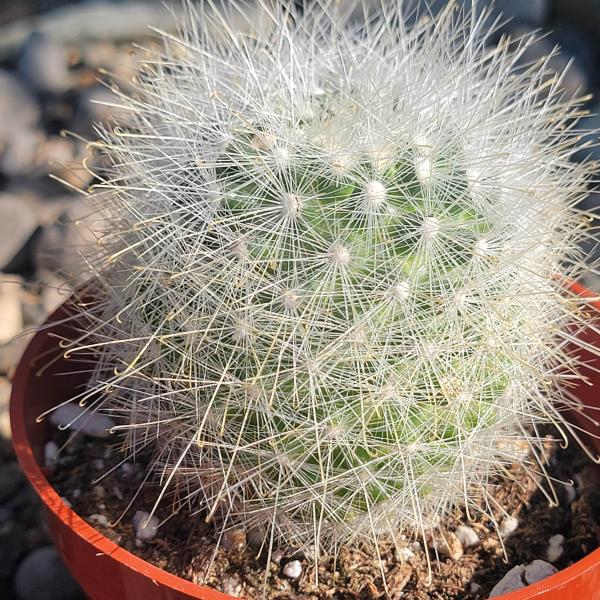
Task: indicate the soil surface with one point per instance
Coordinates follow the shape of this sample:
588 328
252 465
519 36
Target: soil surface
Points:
186 546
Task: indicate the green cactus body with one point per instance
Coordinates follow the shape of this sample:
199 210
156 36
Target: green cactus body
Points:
333 308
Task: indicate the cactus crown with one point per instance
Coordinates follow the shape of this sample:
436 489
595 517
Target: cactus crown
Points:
331 305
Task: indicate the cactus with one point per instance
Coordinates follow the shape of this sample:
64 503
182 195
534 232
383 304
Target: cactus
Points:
332 296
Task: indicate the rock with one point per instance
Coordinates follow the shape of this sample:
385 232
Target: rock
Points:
404 554
575 81
520 576
292 569
234 539
12 547
533 12
54 290
12 480
43 576
43 64
18 109
18 223
56 248
6 515
100 519
5 388
18 155
513 580
553 553
11 315
98 104
145 525
50 454
79 418
555 547
590 142
508 526
467 536
538 570
10 353
99 20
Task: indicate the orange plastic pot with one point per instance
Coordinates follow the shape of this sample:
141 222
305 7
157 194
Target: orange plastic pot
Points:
107 572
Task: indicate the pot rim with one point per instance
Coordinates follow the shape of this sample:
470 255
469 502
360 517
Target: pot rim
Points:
54 503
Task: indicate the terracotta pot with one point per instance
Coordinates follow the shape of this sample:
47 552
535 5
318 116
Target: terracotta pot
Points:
107 572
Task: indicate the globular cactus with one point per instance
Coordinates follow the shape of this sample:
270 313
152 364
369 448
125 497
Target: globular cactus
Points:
332 294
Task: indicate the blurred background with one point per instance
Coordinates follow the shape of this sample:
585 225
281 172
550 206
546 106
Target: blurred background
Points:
53 56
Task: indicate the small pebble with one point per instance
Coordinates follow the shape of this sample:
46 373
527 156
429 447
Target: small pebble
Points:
555 547
43 64
145 525
513 580
50 454
508 526
474 588
293 569
467 536
98 464
571 493
449 545
538 570
79 418
76 493
232 586
234 539
100 519
405 554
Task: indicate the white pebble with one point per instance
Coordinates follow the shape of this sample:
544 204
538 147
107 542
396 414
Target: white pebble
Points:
556 540
474 588
100 519
467 535
405 553
79 418
538 570
571 493
508 525
555 547
553 553
50 454
76 493
293 569
98 464
145 525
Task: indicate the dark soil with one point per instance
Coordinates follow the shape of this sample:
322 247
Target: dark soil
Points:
186 546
